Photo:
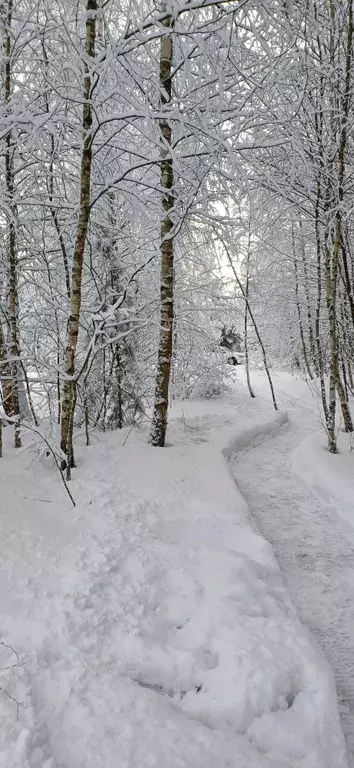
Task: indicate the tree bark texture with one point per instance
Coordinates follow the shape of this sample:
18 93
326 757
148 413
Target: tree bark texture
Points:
159 423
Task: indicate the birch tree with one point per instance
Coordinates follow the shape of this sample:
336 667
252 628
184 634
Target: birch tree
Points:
159 424
69 390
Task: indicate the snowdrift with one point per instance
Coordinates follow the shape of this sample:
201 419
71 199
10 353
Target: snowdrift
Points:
330 477
152 622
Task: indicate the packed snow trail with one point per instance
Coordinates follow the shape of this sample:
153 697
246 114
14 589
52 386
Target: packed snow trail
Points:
313 545
150 626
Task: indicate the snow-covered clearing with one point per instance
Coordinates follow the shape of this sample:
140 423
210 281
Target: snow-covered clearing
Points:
303 501
152 620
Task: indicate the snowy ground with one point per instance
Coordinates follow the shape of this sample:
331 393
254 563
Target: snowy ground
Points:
303 501
151 622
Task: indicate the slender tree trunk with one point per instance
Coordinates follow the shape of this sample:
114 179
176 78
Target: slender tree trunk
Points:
70 450
3 366
102 411
86 412
105 394
343 390
254 323
347 278
344 403
248 377
5 376
308 299
57 332
118 367
318 120
68 391
334 239
53 210
54 215
13 346
27 392
298 307
159 421
335 383
320 364
345 380
331 273
350 378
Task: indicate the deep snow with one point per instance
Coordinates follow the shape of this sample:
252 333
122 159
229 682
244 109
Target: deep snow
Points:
151 622
303 501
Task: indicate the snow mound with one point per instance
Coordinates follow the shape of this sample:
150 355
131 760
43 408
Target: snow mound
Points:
152 619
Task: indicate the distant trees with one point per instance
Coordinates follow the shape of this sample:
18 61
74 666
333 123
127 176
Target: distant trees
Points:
312 175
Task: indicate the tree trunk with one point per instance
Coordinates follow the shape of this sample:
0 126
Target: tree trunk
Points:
57 333
159 422
350 378
308 299
254 323
344 404
68 391
247 366
12 399
5 376
118 367
318 119
53 210
298 307
347 278
3 381
334 238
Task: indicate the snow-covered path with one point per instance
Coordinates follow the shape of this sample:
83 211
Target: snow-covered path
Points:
313 545
150 625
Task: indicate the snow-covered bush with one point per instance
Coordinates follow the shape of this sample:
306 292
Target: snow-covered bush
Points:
204 377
